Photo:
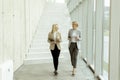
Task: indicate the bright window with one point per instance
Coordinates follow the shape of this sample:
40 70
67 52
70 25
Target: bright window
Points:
106 38
60 1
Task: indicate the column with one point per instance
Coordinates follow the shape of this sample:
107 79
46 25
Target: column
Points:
84 28
90 32
99 37
27 18
115 41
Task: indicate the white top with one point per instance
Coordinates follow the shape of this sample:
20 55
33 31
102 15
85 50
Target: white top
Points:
55 35
73 35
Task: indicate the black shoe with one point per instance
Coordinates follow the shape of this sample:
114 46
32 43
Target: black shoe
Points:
73 73
55 72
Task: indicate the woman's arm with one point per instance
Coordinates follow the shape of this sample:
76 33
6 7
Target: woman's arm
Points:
79 37
69 38
48 38
51 41
60 38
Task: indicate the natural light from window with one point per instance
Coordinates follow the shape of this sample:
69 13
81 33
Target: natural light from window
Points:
107 3
60 1
56 1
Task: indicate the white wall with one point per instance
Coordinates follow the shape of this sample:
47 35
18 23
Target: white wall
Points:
18 22
1 50
18 32
1 34
7 30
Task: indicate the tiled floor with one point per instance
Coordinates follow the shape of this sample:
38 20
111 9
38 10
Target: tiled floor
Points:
45 72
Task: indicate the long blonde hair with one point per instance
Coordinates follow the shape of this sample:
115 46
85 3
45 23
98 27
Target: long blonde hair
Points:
54 26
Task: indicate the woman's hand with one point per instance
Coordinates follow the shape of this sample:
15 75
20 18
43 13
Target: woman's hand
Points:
57 41
53 42
76 38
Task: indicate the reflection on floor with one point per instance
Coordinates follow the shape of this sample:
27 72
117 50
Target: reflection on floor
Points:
45 72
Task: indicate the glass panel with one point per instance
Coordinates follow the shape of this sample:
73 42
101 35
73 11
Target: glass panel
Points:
51 1
119 52
106 38
60 1
94 29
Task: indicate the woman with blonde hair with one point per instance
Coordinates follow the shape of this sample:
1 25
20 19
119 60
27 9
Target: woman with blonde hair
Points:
54 38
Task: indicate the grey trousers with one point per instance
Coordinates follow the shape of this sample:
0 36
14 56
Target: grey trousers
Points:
73 53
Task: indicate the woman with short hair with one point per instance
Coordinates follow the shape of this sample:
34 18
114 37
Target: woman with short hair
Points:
74 37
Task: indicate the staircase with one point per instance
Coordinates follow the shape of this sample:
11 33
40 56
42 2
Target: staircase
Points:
54 13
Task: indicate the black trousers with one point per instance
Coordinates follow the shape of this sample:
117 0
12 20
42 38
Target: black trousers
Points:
55 55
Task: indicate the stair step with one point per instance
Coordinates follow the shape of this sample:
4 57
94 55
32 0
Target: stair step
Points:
39 51
38 55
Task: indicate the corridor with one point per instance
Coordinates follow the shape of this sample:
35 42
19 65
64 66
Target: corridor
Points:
38 63
44 71
24 47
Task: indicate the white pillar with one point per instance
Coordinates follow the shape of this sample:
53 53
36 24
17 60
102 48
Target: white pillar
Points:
90 31
22 32
84 28
115 41
27 15
99 37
